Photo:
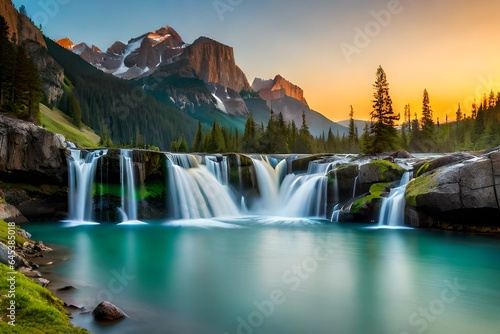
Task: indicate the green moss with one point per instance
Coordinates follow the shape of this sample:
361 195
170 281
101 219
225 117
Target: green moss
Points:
423 169
37 309
386 167
152 190
376 191
2 200
418 186
4 228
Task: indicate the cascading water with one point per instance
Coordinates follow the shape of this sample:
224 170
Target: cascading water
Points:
303 195
393 206
267 179
195 193
219 168
82 170
128 195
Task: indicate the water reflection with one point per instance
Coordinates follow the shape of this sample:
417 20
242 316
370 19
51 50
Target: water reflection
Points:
334 278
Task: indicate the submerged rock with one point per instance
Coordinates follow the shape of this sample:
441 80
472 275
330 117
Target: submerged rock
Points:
106 311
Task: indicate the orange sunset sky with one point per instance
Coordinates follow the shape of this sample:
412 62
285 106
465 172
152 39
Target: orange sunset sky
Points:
449 47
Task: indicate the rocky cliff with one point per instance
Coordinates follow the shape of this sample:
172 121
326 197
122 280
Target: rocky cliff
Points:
23 31
30 154
51 73
214 62
20 27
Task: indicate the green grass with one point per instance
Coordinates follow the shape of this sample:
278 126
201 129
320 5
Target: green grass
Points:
38 311
376 191
4 227
56 121
420 185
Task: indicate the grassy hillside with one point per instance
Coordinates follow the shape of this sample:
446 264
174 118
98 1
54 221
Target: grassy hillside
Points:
56 121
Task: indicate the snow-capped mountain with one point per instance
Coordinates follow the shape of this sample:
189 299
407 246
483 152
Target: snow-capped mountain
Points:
140 56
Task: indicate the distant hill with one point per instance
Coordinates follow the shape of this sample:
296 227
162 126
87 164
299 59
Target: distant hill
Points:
288 98
360 124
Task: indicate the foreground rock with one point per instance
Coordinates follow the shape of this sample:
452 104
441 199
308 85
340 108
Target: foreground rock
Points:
30 154
460 196
106 311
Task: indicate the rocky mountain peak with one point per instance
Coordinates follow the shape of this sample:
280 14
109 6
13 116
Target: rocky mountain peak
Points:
278 88
214 62
66 43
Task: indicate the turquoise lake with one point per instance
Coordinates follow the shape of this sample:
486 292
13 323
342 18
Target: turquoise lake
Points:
272 276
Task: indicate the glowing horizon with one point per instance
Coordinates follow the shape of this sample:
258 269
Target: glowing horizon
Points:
330 49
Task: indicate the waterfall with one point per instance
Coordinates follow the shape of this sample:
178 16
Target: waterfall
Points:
195 192
127 179
304 195
81 170
355 186
268 186
219 168
393 206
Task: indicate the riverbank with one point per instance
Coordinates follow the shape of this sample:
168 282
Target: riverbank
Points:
26 304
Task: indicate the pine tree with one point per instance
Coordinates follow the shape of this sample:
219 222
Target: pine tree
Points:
249 140
305 137
352 126
383 134
426 122
198 139
459 114
6 62
282 135
216 142
75 111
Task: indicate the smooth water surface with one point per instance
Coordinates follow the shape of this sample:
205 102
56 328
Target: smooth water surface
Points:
272 276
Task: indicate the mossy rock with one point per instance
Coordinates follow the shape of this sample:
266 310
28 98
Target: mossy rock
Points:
375 194
420 186
378 171
429 166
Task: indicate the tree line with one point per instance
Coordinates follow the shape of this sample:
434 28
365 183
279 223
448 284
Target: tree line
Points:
20 84
477 131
